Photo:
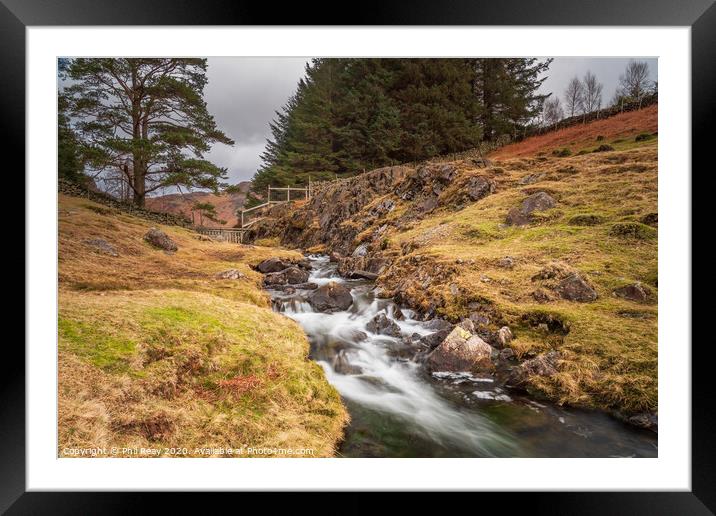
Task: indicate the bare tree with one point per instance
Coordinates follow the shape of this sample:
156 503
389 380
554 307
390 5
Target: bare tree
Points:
574 96
552 111
592 98
634 82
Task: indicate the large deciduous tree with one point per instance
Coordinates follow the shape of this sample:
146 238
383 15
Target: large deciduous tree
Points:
574 96
146 118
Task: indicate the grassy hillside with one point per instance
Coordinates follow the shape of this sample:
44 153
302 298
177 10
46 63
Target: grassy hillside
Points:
452 256
156 351
610 352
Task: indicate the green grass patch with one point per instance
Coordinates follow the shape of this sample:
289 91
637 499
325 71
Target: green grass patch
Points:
111 353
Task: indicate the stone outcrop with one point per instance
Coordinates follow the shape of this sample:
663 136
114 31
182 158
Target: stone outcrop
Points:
538 201
545 364
288 276
576 288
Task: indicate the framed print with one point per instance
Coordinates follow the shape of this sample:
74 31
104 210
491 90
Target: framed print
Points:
349 255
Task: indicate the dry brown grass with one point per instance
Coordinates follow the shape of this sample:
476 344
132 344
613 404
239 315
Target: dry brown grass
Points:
154 351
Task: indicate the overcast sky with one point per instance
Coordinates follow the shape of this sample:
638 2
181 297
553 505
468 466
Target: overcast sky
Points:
243 94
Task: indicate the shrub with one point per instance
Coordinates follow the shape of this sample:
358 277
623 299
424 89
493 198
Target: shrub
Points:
562 153
582 152
600 138
642 137
586 219
604 148
632 230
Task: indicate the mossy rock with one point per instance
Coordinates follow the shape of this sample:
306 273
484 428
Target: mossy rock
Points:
642 137
586 219
633 230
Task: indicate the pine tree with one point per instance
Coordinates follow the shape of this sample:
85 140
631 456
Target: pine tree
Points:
151 111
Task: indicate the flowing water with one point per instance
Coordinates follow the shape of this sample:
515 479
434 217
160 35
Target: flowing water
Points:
398 410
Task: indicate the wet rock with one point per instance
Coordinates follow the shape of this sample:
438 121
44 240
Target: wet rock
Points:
461 351
506 263
542 365
645 420
102 246
504 336
331 297
358 274
290 276
575 288
231 274
341 365
382 325
636 292
507 354
160 239
335 257
397 313
273 265
538 201
306 286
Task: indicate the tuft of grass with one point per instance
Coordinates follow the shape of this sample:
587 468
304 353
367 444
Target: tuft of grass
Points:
633 230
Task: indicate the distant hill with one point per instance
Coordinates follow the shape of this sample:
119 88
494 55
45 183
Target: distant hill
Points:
226 204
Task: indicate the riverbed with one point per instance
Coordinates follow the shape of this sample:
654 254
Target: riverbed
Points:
399 410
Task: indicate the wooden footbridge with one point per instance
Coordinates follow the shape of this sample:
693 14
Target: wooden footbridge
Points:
252 215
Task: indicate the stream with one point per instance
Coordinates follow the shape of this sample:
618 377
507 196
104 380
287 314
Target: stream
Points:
399 410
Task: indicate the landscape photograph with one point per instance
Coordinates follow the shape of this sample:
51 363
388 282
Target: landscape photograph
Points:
282 257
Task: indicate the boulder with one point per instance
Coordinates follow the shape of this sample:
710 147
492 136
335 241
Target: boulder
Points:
331 297
102 246
542 365
335 257
230 274
575 288
273 265
478 187
160 239
538 201
636 292
290 276
382 325
461 351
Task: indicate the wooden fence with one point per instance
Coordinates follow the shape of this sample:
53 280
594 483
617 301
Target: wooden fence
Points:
235 235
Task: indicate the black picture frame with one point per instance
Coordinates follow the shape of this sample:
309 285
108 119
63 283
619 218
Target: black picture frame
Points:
700 15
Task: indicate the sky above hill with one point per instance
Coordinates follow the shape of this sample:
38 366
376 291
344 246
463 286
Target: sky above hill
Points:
243 94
